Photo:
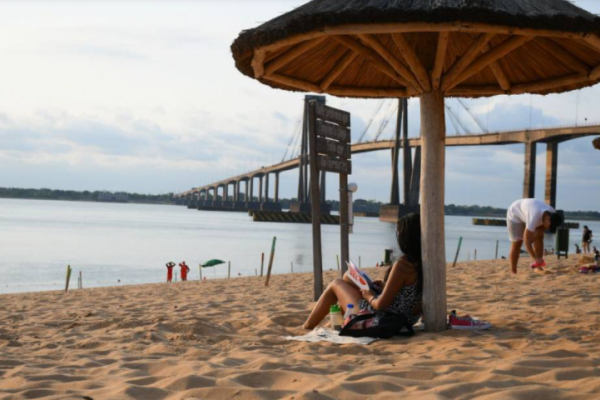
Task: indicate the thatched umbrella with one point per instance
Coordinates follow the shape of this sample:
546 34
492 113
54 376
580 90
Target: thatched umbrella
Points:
429 49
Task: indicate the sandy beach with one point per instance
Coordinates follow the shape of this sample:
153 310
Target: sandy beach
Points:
222 339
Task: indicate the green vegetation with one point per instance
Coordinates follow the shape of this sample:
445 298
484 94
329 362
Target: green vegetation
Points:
71 195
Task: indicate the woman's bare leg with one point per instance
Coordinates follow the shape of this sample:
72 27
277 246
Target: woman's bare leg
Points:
338 290
515 253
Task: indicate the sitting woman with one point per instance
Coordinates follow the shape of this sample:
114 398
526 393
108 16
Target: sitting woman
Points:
401 288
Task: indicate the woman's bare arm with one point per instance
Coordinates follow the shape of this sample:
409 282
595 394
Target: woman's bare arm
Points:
401 274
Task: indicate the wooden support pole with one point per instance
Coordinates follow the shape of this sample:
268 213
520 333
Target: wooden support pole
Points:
475 257
200 271
262 264
529 180
406 155
68 278
457 252
497 244
433 134
551 173
271 261
229 270
337 258
315 203
344 223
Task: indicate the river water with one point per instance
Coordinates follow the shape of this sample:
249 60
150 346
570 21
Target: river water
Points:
124 244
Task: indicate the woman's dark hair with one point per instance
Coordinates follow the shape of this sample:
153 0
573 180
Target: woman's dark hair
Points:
408 234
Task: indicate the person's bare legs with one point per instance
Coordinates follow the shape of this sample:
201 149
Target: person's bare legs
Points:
338 290
515 253
538 244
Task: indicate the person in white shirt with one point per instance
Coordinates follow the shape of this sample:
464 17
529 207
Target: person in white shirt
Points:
527 220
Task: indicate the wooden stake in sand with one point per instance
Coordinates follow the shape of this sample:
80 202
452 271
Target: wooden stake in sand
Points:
457 252
497 243
292 267
475 255
229 270
262 264
271 261
200 270
68 278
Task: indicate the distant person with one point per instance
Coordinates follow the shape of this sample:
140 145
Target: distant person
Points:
184 270
527 220
586 239
577 249
170 266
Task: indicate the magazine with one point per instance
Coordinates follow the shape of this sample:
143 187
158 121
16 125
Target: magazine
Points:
361 279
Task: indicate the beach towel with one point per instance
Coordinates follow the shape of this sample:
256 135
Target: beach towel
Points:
328 335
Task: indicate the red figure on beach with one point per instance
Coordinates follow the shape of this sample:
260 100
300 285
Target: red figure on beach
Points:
170 266
184 270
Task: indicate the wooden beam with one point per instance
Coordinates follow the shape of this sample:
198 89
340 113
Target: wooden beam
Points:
475 91
500 75
293 82
258 63
291 55
367 92
595 74
402 70
593 40
565 57
338 69
413 61
489 57
462 63
354 29
440 59
371 56
548 84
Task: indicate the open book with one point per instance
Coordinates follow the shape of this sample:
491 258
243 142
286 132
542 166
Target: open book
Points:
361 279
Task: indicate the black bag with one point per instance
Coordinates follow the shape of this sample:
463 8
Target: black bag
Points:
381 325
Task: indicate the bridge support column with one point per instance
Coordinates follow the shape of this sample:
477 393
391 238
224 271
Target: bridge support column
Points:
250 199
260 189
267 188
529 180
415 179
276 194
395 194
551 173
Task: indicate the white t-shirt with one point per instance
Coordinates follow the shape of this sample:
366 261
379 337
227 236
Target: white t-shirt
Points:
529 212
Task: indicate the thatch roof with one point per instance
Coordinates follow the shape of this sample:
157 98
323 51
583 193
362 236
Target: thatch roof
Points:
464 19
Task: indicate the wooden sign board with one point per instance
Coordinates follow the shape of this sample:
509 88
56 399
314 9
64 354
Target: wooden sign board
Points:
333 148
331 131
332 115
336 165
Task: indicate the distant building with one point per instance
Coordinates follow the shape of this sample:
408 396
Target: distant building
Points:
108 197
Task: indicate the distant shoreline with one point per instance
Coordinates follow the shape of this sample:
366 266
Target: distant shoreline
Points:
163 202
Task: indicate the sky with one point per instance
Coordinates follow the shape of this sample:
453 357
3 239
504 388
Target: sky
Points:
143 96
